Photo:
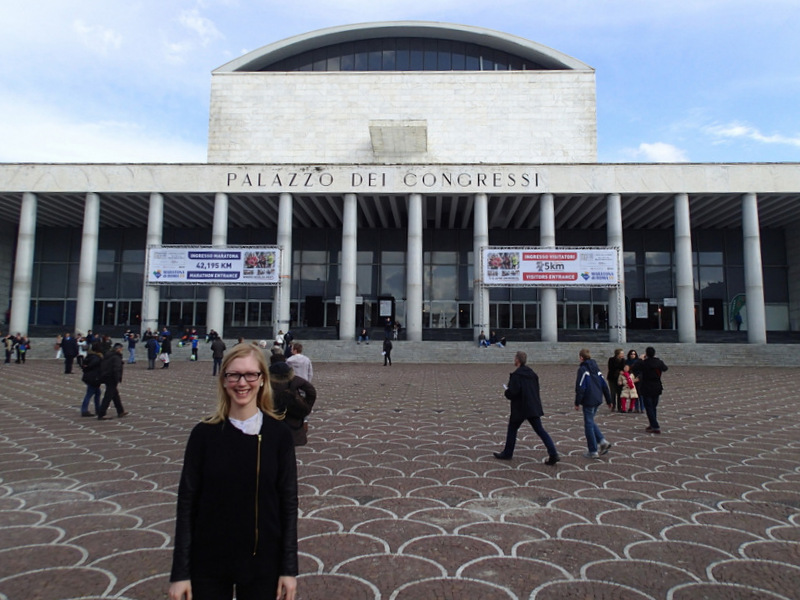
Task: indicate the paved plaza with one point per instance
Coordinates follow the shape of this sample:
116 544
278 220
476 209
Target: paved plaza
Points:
401 498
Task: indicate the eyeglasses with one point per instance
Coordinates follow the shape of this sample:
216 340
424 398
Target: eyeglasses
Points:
236 377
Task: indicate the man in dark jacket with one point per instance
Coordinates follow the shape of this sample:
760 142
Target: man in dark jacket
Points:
526 405
111 375
649 371
590 392
217 352
69 347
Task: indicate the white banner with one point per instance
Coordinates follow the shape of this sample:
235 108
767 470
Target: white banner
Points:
550 267
231 265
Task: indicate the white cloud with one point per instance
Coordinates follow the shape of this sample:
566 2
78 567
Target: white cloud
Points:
735 130
202 26
659 152
41 133
96 37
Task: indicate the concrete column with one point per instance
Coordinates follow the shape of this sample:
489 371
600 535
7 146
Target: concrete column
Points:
548 299
753 277
414 269
219 239
616 297
684 278
347 293
87 271
480 295
283 293
152 293
23 267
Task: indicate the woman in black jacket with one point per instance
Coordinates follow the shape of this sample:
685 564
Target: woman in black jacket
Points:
615 366
92 379
293 396
237 500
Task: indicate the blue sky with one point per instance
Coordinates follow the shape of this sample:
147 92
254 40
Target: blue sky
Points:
677 81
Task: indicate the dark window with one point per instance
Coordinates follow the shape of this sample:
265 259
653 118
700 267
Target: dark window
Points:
403 54
445 56
430 62
402 59
375 56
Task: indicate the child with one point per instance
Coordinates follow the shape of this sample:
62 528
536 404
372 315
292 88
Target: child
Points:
627 389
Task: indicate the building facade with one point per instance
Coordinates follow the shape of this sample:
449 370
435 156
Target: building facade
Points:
381 158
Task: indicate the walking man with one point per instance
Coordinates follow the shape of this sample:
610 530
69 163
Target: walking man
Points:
111 374
590 392
526 405
649 371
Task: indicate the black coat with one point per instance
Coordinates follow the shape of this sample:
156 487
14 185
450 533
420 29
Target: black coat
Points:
523 391
296 397
91 369
649 372
111 367
69 346
237 504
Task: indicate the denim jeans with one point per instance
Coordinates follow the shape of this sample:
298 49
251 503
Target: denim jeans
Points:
536 423
91 390
650 407
590 429
217 365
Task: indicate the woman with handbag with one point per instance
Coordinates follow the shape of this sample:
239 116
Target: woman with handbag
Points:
294 396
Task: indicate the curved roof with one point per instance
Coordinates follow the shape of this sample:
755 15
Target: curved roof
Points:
258 60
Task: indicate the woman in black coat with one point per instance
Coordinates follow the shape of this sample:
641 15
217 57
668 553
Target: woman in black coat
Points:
237 500
615 366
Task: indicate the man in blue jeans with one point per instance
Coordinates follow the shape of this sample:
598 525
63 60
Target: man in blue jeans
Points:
591 390
526 405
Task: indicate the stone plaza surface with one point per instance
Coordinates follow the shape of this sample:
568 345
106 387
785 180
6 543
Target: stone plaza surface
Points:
401 498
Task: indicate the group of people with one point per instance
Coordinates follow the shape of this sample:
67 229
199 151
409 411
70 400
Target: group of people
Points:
493 340
18 344
390 332
635 384
102 367
591 390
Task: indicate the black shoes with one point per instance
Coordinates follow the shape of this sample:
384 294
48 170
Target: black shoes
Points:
104 418
87 414
551 460
501 456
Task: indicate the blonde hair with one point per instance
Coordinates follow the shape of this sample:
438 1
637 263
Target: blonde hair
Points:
264 397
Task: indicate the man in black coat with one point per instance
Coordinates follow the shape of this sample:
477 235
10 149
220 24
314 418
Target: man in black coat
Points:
111 375
649 371
69 347
526 405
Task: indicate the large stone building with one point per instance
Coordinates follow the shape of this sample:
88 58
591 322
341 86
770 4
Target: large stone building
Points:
381 158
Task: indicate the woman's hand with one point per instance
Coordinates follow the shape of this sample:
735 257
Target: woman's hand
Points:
180 590
287 588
